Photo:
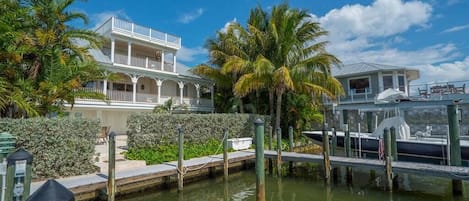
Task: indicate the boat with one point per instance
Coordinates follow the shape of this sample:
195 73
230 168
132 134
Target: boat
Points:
417 148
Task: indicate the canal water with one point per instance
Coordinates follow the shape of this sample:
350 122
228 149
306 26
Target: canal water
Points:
306 183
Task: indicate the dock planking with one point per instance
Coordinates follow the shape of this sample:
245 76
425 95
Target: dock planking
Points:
94 182
451 172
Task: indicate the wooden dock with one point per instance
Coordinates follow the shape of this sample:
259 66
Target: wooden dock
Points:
450 172
86 187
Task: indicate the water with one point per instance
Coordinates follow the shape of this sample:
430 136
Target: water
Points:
307 184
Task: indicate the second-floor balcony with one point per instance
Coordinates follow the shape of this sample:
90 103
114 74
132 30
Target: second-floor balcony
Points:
144 62
123 27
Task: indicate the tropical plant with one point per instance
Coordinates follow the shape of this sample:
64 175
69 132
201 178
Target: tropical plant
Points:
43 59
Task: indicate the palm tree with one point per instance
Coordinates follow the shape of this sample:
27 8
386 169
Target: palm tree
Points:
294 60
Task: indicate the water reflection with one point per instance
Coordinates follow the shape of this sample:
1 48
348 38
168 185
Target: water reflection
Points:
307 183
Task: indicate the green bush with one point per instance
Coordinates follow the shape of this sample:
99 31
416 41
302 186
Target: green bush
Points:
152 130
165 153
60 147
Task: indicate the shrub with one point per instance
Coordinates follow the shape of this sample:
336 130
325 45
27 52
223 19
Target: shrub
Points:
151 130
60 147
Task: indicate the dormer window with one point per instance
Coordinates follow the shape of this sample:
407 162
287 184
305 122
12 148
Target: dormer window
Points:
359 85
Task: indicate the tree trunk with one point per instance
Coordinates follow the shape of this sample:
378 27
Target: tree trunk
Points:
278 112
271 109
241 106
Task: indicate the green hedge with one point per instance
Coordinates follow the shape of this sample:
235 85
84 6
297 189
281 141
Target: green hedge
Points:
60 147
150 130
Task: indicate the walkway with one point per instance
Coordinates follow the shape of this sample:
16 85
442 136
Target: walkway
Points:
121 163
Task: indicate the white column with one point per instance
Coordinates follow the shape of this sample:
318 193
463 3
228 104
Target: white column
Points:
212 92
406 84
129 52
146 62
113 47
105 86
162 60
158 84
197 89
174 62
380 82
181 91
395 83
134 87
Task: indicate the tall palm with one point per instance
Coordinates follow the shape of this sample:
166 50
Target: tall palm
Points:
295 61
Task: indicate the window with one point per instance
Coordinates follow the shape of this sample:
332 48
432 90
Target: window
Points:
360 85
387 82
122 87
401 82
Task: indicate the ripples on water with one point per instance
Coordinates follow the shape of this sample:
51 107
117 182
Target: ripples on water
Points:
307 184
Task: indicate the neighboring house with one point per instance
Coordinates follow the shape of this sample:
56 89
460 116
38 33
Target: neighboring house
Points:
150 75
363 81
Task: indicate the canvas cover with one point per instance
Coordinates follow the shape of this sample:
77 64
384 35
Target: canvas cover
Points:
402 129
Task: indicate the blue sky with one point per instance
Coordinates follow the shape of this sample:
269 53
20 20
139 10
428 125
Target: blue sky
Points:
431 35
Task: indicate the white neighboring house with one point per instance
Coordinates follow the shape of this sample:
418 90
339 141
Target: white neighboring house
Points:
146 60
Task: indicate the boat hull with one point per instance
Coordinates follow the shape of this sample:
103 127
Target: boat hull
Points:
415 151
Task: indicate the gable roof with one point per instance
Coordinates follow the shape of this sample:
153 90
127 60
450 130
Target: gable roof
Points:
364 68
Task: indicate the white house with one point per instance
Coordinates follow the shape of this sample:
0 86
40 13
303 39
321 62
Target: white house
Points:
150 75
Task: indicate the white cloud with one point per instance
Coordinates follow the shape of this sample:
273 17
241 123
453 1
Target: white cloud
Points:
456 28
186 54
189 17
452 2
380 19
100 18
457 70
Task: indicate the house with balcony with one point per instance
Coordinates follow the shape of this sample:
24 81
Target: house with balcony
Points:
146 62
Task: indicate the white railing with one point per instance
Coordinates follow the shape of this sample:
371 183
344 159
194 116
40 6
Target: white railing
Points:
168 67
115 95
120 58
153 64
147 98
138 61
144 62
144 33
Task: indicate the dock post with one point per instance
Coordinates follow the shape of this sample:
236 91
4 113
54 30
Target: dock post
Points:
334 142
225 154
180 159
393 144
279 151
111 179
290 144
325 151
455 148
388 152
271 166
347 141
260 174
369 122
348 152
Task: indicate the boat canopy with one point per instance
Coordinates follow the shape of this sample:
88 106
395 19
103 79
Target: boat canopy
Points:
402 129
390 96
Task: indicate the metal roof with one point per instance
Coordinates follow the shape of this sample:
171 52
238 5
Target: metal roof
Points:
363 68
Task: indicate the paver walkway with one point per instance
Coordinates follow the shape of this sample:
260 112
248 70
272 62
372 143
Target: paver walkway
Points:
121 163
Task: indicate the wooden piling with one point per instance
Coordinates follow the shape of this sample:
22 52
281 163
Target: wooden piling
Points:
388 167
388 152
393 144
225 154
271 166
334 142
326 150
347 141
111 180
279 152
455 148
260 174
180 159
290 145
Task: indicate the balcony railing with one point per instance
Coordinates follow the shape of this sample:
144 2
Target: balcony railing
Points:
144 98
144 62
140 32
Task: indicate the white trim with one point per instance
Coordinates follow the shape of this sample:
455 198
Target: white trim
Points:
356 78
380 81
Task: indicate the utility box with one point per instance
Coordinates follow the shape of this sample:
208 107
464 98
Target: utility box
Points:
7 145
